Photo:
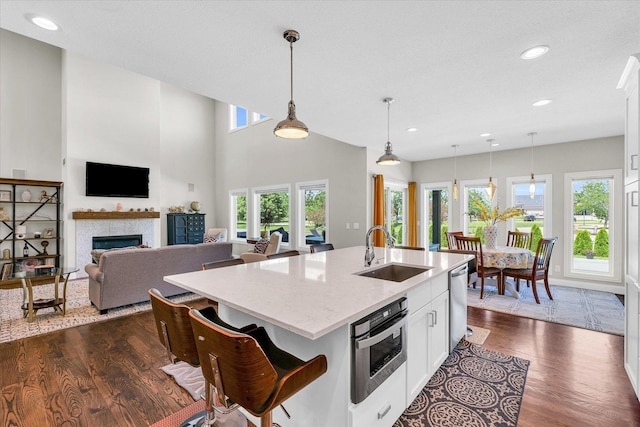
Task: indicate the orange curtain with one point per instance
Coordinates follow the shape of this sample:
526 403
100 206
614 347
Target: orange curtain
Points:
412 217
378 209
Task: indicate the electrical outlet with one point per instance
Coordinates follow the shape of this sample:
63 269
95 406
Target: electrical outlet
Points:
557 269
348 226
356 226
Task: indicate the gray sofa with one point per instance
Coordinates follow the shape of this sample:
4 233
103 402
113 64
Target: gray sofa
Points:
123 277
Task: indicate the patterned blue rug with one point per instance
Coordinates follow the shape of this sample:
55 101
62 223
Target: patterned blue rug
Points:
473 387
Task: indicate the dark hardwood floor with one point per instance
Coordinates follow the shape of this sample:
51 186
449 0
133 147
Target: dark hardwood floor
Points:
107 374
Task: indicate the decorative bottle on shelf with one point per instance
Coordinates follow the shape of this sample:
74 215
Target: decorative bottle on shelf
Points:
25 250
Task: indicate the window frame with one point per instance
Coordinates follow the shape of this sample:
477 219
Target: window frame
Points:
233 118
547 180
256 192
403 187
301 187
233 217
425 212
616 207
464 215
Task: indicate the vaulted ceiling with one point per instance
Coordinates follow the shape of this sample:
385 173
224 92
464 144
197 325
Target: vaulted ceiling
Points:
453 67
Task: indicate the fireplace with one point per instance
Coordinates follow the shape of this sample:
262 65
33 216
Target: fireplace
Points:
110 242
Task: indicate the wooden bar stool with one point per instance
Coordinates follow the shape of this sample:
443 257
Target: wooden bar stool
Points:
248 369
174 330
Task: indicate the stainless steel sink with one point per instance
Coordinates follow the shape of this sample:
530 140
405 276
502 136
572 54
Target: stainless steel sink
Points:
394 272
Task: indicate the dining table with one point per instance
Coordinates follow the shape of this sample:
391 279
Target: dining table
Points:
507 257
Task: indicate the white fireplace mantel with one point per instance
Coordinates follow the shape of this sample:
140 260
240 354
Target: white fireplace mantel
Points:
90 224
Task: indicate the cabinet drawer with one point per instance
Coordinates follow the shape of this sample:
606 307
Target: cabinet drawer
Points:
422 294
439 285
384 406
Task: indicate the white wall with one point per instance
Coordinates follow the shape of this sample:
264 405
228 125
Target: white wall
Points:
556 160
30 108
254 157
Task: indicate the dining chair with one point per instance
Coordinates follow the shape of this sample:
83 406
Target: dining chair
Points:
519 239
539 270
451 238
321 247
474 244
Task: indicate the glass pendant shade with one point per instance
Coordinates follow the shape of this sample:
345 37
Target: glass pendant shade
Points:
455 189
491 189
291 127
532 187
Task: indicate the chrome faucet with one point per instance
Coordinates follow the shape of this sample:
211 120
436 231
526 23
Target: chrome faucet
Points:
369 255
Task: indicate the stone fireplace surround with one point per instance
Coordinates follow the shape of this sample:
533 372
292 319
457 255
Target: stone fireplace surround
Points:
86 229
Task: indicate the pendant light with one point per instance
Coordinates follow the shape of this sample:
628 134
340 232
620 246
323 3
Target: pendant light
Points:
491 188
455 171
291 127
388 158
532 183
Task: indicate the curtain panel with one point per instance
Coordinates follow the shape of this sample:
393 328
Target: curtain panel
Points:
412 216
378 209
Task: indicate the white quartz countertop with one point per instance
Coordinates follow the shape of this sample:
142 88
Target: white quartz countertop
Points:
314 294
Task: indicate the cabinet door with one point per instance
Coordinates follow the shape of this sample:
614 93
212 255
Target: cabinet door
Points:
631 235
438 344
177 230
417 352
632 139
632 330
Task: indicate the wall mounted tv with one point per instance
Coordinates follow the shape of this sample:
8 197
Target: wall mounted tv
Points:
117 181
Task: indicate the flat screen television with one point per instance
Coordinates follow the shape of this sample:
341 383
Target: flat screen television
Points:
107 180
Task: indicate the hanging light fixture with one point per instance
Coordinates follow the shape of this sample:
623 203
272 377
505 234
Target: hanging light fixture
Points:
491 187
532 183
455 171
388 158
291 127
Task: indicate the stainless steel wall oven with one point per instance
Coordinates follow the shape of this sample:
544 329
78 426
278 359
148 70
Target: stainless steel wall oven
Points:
378 348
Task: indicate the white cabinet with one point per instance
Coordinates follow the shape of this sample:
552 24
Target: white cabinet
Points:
629 83
382 407
427 333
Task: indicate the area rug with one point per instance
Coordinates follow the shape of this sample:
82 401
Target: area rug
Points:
79 311
473 387
582 308
478 336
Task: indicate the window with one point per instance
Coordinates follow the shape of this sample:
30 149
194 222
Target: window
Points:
474 190
537 210
437 216
257 118
238 214
592 225
238 117
396 206
271 211
312 213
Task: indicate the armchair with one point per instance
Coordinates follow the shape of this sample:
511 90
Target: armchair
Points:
272 248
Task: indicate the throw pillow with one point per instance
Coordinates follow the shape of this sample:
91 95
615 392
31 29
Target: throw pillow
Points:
261 246
210 238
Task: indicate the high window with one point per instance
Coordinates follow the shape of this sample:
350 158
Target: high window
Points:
592 215
312 212
272 211
436 213
238 214
238 117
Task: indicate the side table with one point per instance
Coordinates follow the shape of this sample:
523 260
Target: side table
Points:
30 306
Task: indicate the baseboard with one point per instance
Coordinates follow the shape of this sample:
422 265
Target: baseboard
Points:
593 286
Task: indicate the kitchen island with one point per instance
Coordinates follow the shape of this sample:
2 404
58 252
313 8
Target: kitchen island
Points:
307 304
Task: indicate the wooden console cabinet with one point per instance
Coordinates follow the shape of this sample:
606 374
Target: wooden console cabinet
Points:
185 228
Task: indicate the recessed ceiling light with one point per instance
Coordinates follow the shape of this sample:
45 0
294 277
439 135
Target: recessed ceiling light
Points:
412 129
534 52
484 135
542 102
41 22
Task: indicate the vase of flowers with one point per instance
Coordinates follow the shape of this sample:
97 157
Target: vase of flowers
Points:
491 217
